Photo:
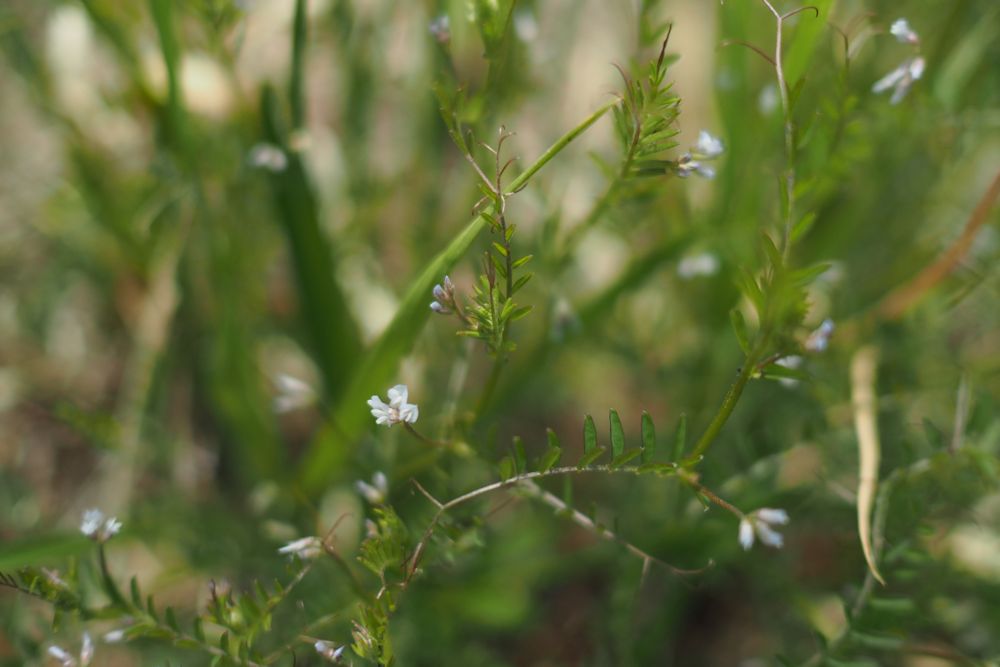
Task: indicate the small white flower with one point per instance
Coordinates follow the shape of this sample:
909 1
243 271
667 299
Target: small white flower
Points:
901 79
702 264
98 527
397 410
902 31
328 651
746 534
708 146
761 523
114 637
292 394
62 655
444 297
268 157
687 165
376 491
305 548
86 650
792 362
819 339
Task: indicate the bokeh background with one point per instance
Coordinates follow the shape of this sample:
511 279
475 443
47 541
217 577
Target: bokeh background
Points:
156 279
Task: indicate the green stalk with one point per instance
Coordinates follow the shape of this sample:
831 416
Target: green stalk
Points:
725 410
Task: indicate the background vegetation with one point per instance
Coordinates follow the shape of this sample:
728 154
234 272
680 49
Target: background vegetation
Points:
200 197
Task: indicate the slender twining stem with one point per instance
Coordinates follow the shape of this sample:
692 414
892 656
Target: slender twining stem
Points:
713 497
526 482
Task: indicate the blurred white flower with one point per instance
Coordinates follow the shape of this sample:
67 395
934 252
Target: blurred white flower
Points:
268 157
901 79
902 31
440 29
820 338
98 527
792 362
329 651
687 165
397 410
376 491
86 650
702 264
305 548
114 637
63 656
761 523
708 146
292 394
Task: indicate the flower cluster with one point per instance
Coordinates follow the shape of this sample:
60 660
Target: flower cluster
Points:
901 79
761 523
98 527
396 410
444 297
708 147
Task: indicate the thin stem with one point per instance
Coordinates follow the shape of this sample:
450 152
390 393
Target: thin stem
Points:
725 410
110 587
553 150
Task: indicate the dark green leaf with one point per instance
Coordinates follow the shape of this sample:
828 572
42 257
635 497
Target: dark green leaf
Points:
617 435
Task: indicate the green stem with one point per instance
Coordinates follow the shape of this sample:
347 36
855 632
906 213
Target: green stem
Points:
110 587
726 409
555 148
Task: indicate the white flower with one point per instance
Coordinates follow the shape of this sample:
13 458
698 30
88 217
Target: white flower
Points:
761 523
687 165
268 157
444 297
792 362
328 651
901 78
708 146
305 548
62 655
292 394
376 491
114 636
902 31
702 264
87 650
98 527
820 338
397 410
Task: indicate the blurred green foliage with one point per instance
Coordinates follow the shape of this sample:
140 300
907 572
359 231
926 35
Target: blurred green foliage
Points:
202 197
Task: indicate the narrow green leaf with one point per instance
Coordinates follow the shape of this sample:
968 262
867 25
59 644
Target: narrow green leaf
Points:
506 468
589 435
567 494
772 252
804 224
296 81
648 438
740 329
499 248
333 334
549 459
590 457
199 631
135 594
624 458
522 261
680 438
660 468
520 456
172 620
617 435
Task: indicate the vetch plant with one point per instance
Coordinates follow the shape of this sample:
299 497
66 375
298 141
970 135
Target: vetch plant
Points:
616 370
